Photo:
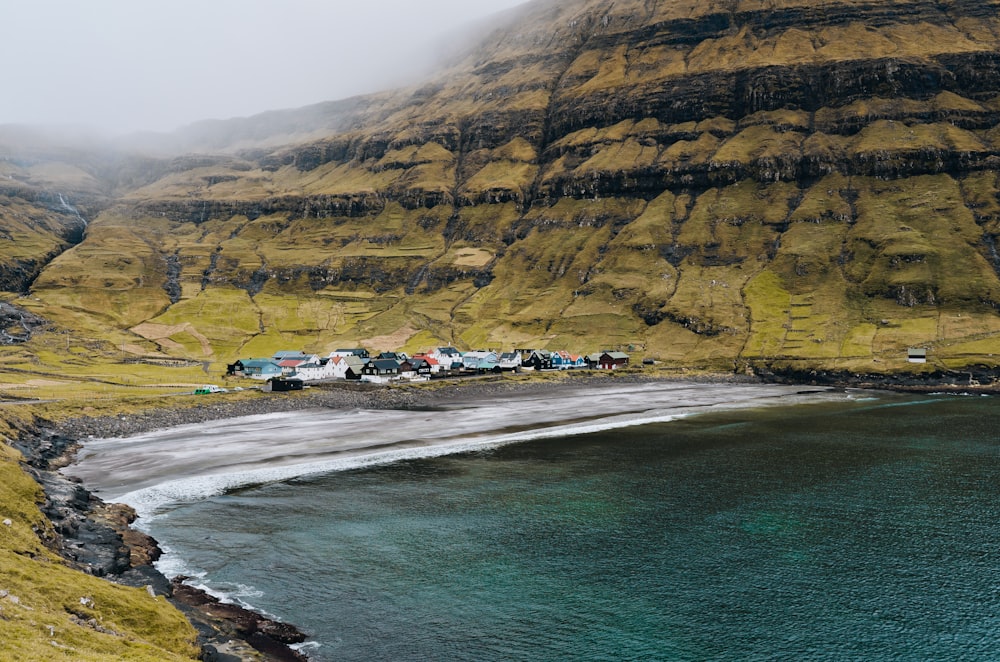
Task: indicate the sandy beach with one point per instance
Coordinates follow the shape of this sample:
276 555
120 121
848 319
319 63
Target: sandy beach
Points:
196 460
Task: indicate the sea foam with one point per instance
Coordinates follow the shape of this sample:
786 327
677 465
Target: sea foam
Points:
152 471
153 501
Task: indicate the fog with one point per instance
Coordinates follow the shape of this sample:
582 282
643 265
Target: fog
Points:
122 66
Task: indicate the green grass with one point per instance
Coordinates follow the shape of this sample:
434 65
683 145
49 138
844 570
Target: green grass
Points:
770 307
576 273
48 621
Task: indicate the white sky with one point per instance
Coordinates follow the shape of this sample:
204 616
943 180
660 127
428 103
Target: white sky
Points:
125 65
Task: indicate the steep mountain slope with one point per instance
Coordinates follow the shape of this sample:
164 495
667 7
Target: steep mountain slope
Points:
712 182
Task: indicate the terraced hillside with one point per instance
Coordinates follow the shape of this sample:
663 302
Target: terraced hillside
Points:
810 182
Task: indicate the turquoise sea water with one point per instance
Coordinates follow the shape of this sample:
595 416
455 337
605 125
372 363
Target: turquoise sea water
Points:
862 530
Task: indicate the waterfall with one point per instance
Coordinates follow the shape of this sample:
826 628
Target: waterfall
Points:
71 209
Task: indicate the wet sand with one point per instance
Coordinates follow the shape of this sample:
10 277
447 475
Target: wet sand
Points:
197 460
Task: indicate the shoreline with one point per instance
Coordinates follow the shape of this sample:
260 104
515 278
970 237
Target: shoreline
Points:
363 395
98 538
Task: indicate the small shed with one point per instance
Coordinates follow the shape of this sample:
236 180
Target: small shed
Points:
280 385
916 355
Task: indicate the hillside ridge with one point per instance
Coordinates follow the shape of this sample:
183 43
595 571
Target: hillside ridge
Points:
723 184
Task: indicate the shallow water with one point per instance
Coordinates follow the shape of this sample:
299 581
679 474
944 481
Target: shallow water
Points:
195 461
847 529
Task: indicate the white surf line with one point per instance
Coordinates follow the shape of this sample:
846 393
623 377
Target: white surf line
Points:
199 461
149 501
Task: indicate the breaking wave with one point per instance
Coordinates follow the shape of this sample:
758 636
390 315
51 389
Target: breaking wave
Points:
150 501
188 463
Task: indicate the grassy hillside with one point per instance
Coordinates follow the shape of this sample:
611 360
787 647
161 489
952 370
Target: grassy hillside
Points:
713 184
51 612
846 272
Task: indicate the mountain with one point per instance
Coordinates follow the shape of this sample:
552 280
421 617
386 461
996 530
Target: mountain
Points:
809 183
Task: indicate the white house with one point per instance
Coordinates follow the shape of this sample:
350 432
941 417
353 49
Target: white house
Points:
310 372
510 360
446 357
380 371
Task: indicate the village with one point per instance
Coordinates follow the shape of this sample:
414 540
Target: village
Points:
291 370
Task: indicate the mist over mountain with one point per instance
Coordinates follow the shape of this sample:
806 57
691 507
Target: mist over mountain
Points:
162 65
724 184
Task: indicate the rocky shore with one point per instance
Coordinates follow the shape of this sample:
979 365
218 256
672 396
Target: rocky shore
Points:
96 537
977 379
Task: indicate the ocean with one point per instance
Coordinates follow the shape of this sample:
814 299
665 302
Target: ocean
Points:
673 522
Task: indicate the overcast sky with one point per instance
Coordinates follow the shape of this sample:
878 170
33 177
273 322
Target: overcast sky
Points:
125 65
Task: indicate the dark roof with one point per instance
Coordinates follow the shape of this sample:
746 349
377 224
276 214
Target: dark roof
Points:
383 365
360 351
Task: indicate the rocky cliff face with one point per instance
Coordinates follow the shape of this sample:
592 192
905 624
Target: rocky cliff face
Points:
737 180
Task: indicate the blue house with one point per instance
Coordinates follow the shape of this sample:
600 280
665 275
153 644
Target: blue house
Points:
481 360
261 368
561 360
565 360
